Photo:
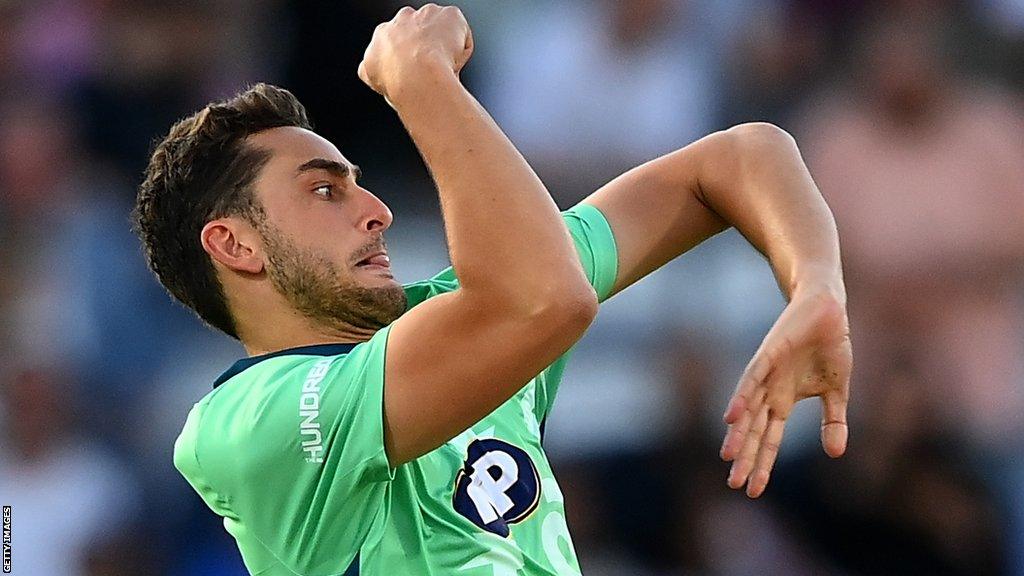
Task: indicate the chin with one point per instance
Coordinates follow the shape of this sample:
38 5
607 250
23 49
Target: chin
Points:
378 279
375 270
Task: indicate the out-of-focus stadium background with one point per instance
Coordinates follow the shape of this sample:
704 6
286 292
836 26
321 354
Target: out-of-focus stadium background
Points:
907 112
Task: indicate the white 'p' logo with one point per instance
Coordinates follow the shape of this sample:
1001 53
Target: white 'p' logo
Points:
497 486
486 491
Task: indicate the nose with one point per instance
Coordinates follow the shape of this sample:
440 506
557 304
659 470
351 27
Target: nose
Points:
377 217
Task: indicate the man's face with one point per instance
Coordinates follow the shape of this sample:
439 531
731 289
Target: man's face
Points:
323 233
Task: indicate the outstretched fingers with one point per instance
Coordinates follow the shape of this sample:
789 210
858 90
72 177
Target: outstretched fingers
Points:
744 463
744 405
740 430
766 455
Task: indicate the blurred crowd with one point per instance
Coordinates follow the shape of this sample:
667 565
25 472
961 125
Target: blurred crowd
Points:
908 113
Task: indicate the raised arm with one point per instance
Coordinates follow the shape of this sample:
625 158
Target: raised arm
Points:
523 300
751 177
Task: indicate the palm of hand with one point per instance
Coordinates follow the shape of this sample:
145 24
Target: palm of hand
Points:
807 353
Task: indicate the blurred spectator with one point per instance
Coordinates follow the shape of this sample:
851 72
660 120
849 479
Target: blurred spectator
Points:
906 498
710 529
41 188
590 90
79 288
70 498
782 54
924 169
51 44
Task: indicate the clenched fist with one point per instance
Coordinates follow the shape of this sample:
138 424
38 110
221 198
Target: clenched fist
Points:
413 43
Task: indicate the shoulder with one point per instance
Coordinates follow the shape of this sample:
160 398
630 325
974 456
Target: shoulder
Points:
255 416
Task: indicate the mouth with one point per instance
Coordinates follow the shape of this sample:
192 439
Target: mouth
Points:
375 261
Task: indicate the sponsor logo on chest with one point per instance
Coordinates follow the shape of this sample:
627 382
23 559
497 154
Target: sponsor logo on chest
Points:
498 485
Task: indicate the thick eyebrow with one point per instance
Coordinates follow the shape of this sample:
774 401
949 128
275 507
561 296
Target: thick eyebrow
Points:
336 168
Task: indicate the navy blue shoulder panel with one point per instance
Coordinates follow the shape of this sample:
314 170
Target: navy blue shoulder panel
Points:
353 569
315 350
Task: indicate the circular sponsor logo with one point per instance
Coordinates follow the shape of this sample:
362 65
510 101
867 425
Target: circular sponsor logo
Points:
497 486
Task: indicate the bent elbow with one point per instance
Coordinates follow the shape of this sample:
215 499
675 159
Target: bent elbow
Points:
554 306
761 132
568 312
581 308
756 146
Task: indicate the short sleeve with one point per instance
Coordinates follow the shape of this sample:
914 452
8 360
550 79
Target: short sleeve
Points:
297 450
595 246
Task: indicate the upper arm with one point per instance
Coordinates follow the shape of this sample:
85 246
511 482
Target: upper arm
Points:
655 210
454 358
595 248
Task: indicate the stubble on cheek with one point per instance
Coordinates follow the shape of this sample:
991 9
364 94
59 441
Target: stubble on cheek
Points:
316 287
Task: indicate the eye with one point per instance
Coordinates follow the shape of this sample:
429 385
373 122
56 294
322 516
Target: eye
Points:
324 190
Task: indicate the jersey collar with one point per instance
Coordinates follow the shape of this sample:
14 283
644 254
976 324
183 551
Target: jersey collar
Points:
314 350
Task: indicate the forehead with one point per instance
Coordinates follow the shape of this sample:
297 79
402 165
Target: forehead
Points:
291 147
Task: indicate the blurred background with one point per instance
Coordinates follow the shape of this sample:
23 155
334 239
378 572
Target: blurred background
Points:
908 113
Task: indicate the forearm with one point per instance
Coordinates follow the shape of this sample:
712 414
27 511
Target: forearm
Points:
505 233
758 183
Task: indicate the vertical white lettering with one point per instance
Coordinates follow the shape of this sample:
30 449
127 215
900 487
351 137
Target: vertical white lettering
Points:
309 411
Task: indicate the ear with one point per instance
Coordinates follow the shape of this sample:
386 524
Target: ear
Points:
234 244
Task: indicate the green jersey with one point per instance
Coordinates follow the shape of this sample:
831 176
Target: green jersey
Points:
289 449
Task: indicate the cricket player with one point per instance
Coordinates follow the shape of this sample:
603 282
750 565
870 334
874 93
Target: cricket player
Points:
390 430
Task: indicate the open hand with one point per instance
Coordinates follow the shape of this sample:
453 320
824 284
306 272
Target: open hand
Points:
806 353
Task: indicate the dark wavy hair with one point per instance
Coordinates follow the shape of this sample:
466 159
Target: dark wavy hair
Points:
203 169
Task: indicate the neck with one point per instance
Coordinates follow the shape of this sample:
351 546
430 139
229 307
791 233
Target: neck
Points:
260 346
272 328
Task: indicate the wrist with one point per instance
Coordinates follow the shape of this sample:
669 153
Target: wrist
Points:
818 282
423 74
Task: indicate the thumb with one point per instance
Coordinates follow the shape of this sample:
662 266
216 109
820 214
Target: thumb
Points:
362 73
834 430
467 51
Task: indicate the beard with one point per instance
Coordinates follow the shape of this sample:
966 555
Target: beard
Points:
312 284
